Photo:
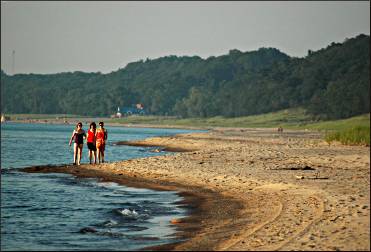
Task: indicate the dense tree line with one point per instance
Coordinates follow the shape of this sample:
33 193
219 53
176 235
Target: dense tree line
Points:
333 82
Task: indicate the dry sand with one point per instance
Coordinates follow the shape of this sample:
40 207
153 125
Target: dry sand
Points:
255 189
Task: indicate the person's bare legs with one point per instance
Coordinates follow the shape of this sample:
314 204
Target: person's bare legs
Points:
102 155
98 154
80 154
74 152
95 156
90 154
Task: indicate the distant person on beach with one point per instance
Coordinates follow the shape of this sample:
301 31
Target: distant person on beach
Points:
90 141
101 138
78 135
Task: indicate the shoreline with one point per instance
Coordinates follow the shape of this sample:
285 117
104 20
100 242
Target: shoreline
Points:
268 190
73 121
198 201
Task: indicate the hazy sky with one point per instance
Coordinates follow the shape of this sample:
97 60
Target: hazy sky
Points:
51 37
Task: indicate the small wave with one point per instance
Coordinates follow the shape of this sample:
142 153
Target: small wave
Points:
144 238
128 212
112 234
134 228
35 209
110 223
88 230
16 206
107 184
107 223
120 192
11 170
131 214
111 195
126 204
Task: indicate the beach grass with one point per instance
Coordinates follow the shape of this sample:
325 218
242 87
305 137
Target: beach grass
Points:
354 130
269 120
353 136
351 131
339 125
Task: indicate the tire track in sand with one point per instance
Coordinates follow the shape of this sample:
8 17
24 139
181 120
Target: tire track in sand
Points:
292 219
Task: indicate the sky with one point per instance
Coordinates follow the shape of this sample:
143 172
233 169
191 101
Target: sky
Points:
102 36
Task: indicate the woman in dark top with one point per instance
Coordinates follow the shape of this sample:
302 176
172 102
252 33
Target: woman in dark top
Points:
78 135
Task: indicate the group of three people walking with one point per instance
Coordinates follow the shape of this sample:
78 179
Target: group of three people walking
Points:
96 142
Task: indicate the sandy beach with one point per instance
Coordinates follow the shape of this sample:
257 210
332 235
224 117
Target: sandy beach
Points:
254 189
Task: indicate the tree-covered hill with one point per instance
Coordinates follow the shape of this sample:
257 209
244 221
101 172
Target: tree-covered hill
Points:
333 82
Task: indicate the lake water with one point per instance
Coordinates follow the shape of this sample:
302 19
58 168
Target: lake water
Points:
51 211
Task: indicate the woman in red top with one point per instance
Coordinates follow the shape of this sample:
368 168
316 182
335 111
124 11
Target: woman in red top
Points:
101 137
91 142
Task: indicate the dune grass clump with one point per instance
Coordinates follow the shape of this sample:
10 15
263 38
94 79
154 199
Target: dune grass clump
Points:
359 135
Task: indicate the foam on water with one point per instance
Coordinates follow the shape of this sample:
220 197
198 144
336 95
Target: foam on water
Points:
127 212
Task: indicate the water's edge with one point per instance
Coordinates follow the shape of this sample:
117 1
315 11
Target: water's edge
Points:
199 201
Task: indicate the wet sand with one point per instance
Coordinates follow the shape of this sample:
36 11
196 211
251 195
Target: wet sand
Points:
255 189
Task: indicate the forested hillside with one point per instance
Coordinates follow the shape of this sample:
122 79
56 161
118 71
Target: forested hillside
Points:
333 82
